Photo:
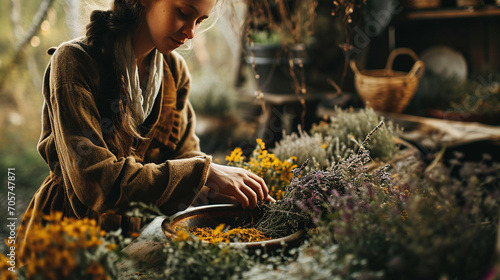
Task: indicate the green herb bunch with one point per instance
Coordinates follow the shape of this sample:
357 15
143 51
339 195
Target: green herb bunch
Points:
191 259
341 137
316 148
347 129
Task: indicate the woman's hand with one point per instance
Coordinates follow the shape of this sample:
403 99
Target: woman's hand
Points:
244 186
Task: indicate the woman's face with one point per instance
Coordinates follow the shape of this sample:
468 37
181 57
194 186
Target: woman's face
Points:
169 23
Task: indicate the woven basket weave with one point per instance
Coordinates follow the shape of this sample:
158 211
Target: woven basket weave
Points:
387 90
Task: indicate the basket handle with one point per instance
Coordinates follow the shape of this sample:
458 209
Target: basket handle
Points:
396 52
417 70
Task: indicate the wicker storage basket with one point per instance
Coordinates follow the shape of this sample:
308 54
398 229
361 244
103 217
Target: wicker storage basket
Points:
387 90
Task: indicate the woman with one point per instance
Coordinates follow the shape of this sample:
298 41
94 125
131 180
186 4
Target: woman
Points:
117 125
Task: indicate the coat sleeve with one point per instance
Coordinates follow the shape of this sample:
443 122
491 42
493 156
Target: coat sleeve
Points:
94 177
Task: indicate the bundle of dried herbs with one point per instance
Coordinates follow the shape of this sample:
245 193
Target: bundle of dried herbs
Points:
307 197
348 127
340 137
316 147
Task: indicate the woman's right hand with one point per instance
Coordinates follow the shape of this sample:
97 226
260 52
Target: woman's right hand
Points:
244 186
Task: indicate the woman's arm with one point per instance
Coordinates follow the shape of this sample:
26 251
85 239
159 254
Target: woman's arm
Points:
225 183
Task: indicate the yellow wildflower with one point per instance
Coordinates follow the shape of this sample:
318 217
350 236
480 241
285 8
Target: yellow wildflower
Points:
182 235
8 275
262 154
236 156
95 269
66 262
261 143
111 246
51 250
276 173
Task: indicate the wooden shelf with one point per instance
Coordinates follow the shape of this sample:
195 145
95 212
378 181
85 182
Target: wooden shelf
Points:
448 14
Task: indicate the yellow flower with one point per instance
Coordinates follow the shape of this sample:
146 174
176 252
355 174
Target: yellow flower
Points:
53 217
218 229
261 143
262 154
276 173
182 235
66 262
236 156
111 246
51 249
8 275
95 269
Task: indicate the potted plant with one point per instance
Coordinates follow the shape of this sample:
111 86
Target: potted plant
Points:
277 35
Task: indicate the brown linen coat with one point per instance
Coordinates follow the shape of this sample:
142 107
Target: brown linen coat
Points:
86 179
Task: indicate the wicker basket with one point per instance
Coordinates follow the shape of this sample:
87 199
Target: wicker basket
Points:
387 90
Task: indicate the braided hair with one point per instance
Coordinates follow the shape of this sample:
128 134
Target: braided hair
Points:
106 27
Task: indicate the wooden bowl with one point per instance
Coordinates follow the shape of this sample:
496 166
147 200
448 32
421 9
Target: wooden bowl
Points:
233 216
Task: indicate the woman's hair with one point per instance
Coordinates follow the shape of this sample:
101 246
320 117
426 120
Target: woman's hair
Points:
104 29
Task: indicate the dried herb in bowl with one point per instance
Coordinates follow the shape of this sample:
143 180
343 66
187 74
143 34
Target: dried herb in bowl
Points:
225 234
